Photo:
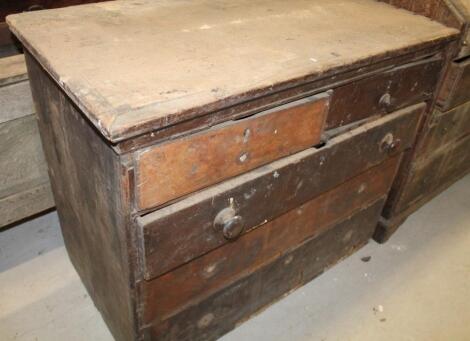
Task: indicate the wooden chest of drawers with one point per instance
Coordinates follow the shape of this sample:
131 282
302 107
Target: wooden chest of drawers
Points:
24 183
207 158
441 154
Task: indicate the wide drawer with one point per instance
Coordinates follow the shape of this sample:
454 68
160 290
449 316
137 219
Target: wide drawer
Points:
221 310
384 92
175 168
206 220
252 250
456 87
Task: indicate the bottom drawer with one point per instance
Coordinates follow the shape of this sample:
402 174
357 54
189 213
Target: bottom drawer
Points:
172 291
223 309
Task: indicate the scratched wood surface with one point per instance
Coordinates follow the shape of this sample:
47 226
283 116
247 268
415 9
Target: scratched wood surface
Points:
180 232
224 265
182 166
191 57
223 310
89 198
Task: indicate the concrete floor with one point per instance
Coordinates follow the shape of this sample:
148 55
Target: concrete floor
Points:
415 287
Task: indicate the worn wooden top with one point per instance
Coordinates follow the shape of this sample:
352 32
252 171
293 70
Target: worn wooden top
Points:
464 5
135 66
12 69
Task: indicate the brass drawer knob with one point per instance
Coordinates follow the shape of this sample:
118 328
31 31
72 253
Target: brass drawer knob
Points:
390 144
229 223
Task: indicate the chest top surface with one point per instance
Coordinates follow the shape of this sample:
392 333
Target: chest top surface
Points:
135 66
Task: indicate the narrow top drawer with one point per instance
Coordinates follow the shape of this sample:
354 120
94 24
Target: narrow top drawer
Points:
178 167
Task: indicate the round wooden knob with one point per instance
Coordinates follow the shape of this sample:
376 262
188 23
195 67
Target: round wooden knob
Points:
390 144
229 223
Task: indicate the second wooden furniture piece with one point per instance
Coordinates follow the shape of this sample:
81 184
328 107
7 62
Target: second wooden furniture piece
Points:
441 154
208 157
24 183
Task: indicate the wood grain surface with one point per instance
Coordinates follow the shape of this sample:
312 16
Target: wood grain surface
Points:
182 231
204 275
215 315
203 56
182 166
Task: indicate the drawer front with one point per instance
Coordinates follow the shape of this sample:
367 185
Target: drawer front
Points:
182 166
386 92
455 90
223 309
252 250
429 175
444 128
196 225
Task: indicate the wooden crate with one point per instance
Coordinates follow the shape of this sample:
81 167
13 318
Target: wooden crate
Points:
24 183
205 166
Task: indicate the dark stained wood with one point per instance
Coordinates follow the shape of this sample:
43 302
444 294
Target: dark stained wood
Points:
88 196
234 260
180 232
456 88
429 173
388 226
182 166
404 86
107 100
223 310
444 128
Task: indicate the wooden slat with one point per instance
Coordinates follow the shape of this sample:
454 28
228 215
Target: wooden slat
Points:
217 314
182 166
12 70
180 232
207 274
15 102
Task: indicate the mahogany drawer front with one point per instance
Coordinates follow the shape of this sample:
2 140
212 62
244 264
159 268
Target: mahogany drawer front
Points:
223 309
185 230
178 167
455 90
254 249
444 128
385 92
